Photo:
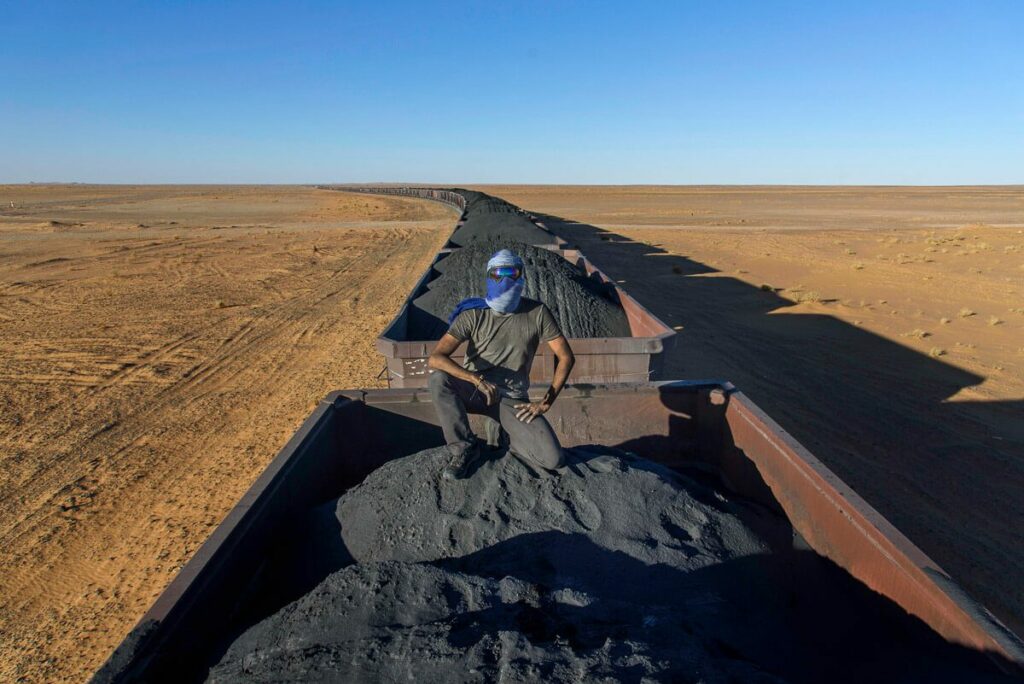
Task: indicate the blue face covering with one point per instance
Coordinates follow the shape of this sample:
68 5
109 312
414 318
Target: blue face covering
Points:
503 296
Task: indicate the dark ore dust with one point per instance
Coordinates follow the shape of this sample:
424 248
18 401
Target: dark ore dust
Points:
617 569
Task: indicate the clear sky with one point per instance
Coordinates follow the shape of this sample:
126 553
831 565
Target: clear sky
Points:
522 92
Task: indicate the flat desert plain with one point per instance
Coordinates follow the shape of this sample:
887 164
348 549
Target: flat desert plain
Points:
159 344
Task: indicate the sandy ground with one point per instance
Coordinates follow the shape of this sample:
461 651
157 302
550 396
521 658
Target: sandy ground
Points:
883 327
158 345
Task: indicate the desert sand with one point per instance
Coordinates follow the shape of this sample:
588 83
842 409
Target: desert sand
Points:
159 344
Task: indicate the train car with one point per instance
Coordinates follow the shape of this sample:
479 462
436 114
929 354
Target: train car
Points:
697 426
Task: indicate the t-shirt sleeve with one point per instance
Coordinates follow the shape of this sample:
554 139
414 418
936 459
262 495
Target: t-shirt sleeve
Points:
462 326
549 329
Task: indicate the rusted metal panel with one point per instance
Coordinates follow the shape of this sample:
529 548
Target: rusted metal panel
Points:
839 524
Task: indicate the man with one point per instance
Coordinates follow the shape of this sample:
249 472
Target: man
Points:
503 331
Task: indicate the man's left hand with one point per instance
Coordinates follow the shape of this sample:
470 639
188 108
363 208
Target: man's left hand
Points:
527 412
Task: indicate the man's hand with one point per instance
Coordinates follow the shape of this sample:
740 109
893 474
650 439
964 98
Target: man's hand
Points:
488 389
527 412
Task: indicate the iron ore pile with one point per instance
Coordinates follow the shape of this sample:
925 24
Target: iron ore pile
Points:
507 576
583 306
486 217
616 570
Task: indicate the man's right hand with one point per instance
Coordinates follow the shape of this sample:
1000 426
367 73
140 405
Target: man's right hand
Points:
489 390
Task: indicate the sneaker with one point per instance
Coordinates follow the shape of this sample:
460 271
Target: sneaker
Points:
459 463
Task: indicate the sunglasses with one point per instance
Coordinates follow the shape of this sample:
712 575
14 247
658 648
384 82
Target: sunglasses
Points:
499 272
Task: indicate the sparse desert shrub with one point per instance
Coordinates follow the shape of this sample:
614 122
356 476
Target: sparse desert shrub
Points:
937 351
994 320
858 266
944 320
965 313
918 333
767 288
811 296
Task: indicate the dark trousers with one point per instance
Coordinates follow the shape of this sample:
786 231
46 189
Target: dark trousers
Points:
454 399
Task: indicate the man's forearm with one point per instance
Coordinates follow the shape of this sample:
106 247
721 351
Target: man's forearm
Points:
562 370
445 363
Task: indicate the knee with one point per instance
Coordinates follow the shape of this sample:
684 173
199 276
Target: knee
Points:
549 454
553 459
437 381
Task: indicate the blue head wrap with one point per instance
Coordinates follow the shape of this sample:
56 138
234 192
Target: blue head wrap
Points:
503 296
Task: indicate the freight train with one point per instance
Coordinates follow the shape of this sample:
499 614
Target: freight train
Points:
247 569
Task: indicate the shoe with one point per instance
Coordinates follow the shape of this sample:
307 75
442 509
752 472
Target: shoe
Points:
459 463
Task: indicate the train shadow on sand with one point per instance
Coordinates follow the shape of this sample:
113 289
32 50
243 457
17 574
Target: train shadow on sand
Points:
947 474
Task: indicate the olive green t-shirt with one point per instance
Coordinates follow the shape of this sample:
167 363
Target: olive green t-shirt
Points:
502 346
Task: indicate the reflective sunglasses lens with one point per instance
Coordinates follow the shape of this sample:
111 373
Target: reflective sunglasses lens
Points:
505 272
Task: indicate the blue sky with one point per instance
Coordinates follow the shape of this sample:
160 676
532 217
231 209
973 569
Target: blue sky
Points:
522 92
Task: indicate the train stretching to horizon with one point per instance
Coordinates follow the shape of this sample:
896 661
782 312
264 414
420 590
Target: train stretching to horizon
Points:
617 397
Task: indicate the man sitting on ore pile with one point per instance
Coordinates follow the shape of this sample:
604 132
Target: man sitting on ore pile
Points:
503 331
